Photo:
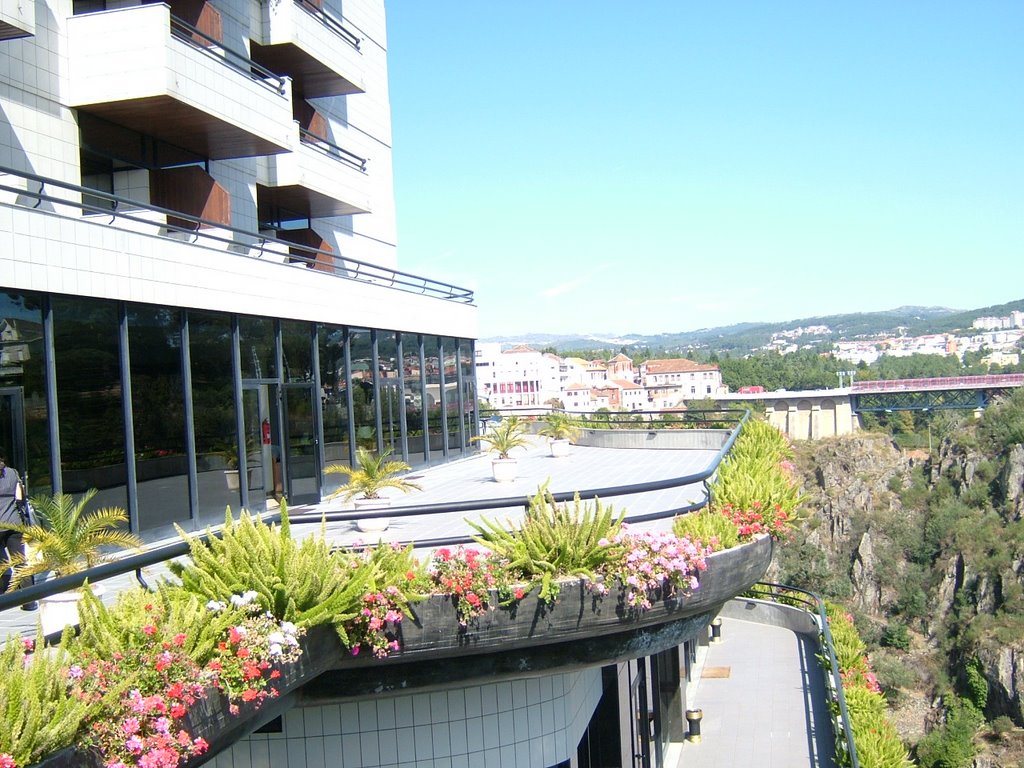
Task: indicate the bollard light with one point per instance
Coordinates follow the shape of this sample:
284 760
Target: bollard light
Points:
716 631
693 718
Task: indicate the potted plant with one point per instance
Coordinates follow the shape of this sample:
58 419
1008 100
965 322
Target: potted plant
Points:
561 431
66 539
365 482
229 455
508 434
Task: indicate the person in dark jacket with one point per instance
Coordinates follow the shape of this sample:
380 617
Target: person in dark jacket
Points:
13 509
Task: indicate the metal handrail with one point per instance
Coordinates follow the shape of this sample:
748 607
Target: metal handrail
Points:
331 23
814 601
302 255
184 31
170 551
331 149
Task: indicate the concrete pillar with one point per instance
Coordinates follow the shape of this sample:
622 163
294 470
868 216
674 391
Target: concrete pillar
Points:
816 422
793 423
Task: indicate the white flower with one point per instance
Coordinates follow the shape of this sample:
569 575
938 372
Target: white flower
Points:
216 605
275 649
275 638
288 628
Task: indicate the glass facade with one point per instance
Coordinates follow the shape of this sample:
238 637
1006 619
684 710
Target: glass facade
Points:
175 414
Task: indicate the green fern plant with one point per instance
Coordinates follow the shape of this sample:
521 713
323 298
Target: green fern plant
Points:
67 539
141 619
37 716
303 582
553 540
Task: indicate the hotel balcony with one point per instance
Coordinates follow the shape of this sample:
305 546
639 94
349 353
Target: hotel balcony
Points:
318 51
17 19
318 179
147 70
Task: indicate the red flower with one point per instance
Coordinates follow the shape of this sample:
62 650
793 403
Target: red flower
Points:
149 629
249 694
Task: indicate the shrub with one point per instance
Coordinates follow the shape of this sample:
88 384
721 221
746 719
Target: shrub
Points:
553 540
37 716
707 528
952 744
304 582
653 564
975 684
895 635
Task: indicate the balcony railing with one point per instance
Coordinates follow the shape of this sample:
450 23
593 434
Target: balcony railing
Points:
157 555
333 150
330 22
232 58
34 193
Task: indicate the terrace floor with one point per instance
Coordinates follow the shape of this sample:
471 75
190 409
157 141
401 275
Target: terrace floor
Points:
762 692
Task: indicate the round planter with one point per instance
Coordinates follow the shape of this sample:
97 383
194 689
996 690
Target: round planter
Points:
504 470
372 524
59 611
560 448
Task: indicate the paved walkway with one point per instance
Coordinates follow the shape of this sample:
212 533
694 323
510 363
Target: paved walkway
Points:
763 696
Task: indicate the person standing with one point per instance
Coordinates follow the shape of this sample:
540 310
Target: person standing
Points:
13 510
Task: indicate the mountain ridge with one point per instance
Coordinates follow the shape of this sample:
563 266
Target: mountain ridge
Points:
743 337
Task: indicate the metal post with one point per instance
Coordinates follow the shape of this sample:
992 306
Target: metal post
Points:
693 718
716 630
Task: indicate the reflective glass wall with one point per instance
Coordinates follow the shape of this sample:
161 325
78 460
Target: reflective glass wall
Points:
175 414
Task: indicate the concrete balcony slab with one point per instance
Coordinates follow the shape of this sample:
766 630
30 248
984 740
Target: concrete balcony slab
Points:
137 68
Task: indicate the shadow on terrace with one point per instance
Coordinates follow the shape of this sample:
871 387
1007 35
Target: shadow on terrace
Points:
542 626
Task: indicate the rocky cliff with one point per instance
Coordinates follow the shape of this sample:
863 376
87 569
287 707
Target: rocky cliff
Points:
935 546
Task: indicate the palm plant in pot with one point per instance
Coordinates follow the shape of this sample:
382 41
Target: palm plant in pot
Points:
372 475
507 435
561 430
65 539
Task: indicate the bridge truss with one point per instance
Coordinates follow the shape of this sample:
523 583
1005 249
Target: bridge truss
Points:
925 400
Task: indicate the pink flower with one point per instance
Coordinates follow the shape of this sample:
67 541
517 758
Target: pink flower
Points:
130 726
133 744
6 761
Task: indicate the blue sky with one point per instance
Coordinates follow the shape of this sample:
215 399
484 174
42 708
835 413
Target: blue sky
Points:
665 165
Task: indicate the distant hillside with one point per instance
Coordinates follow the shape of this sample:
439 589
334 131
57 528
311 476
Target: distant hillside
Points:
744 337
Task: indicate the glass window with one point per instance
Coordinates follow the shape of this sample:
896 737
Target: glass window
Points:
296 348
213 406
23 376
453 414
391 395
415 397
362 384
158 415
258 348
88 361
468 387
334 399
432 396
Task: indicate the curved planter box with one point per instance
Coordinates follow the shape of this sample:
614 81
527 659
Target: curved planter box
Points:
579 629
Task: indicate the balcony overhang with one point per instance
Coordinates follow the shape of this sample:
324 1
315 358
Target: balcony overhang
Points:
128 67
311 182
17 19
320 55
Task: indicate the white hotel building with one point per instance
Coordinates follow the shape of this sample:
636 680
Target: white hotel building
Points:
198 271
